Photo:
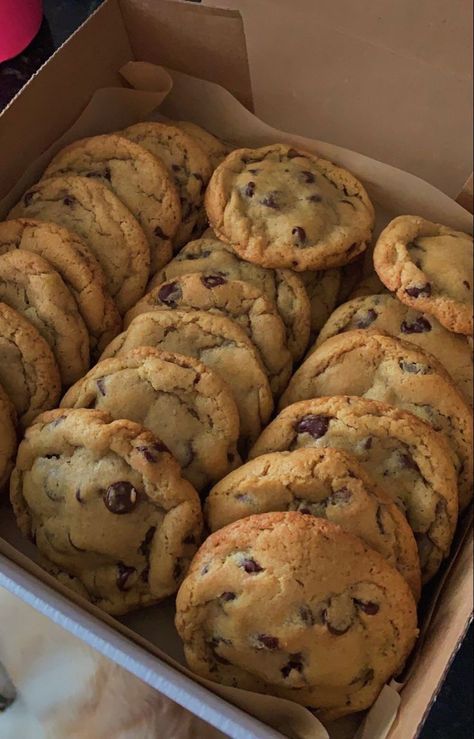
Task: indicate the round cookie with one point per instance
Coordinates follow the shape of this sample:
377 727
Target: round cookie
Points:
213 147
385 314
294 606
8 442
395 372
282 286
79 269
430 268
406 457
326 483
139 179
217 342
32 287
105 503
28 370
177 398
322 289
234 299
282 208
92 211
187 163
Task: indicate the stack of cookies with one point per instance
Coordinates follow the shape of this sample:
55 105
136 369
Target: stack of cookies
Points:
168 288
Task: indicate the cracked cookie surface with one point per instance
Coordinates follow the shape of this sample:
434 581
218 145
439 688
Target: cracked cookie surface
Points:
326 483
410 461
187 162
430 268
386 314
217 342
280 207
396 372
105 503
139 179
176 397
32 287
282 286
111 232
28 370
236 300
294 606
8 442
79 269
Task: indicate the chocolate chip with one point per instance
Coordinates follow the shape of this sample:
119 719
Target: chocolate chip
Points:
408 462
365 320
144 547
249 189
308 176
299 233
295 663
123 573
466 284
415 292
101 385
414 368
316 198
120 497
160 233
52 456
68 200
367 606
292 154
270 201
228 596
78 496
367 443
314 425
250 566
306 615
150 452
419 326
340 497
28 197
211 281
270 642
170 294
176 168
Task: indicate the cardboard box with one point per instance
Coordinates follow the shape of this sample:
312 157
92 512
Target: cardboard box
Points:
365 76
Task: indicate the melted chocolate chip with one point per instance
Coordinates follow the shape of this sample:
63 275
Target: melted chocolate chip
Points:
367 443
316 198
466 284
211 281
123 573
120 497
150 452
250 566
144 547
408 462
176 168
314 425
340 497
419 326
306 615
28 197
270 201
365 320
249 189
228 596
414 368
423 291
160 233
270 642
170 294
295 663
308 176
68 200
101 385
299 234
367 606
78 496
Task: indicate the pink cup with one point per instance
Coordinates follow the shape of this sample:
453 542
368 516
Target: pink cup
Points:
19 23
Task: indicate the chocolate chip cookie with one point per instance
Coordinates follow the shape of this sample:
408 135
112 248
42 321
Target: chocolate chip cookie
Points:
104 502
430 268
8 441
384 313
406 457
213 147
217 342
32 287
185 160
28 370
105 224
177 398
282 286
322 289
279 207
396 372
326 483
293 606
234 299
139 179
79 269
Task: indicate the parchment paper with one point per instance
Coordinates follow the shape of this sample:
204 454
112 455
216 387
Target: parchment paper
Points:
164 93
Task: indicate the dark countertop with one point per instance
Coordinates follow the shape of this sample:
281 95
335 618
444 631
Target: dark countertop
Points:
452 715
